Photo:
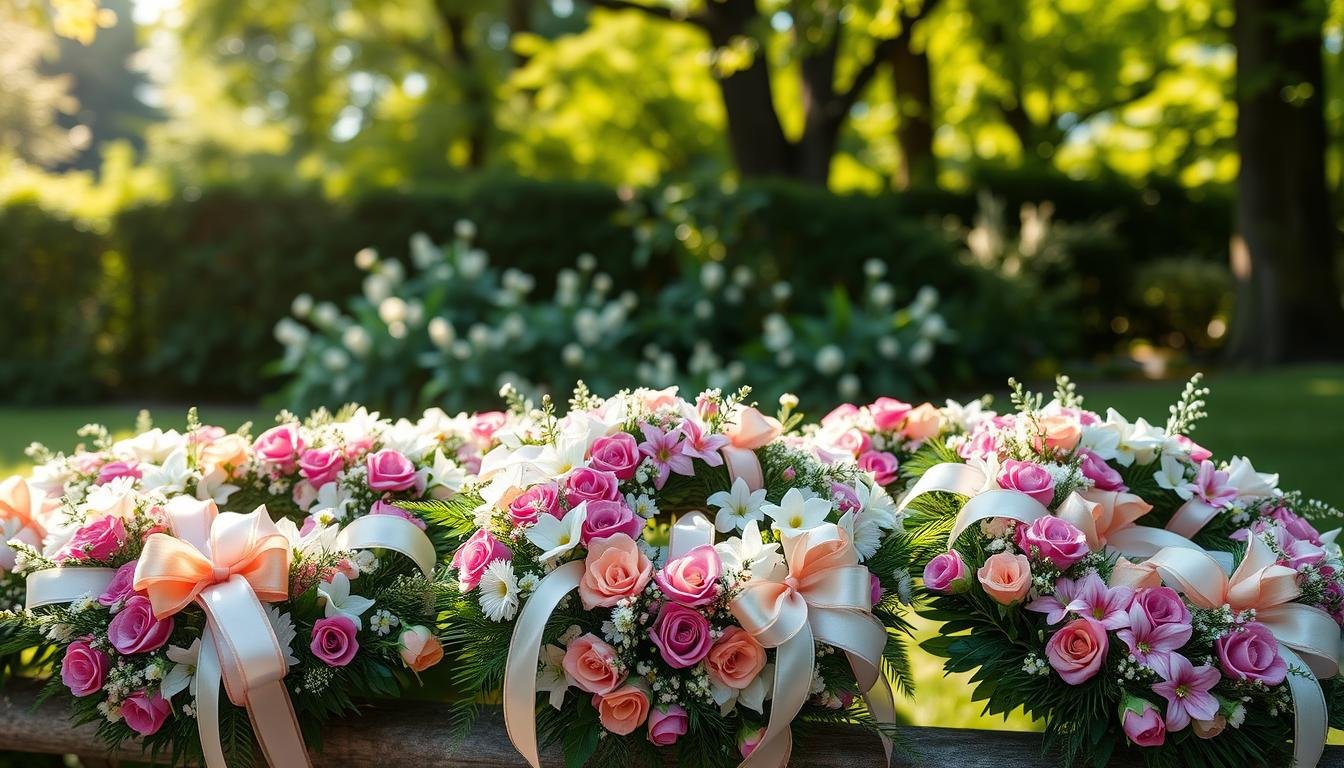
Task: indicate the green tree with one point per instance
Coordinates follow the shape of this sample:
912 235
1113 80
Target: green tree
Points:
32 102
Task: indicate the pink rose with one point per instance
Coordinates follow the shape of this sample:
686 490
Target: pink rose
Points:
1102 475
135 630
1251 653
1053 539
682 635
1060 432
855 441
526 506
608 518
1027 477
83 668
588 484
144 712
485 424
114 469
618 454
1006 578
475 554
334 642
923 422
1142 723
1198 453
947 573
874 589
419 648
591 665
623 710
667 725
888 413
98 540
691 579
1161 606
614 569
381 507
841 414
1078 650
121 587
321 465
280 447
883 466
736 659
748 739
1207 729
390 471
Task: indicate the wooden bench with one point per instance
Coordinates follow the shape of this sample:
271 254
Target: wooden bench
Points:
413 737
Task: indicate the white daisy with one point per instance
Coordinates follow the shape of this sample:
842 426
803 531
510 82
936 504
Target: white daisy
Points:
283 625
642 505
499 591
737 506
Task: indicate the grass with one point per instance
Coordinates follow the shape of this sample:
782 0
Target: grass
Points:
1288 421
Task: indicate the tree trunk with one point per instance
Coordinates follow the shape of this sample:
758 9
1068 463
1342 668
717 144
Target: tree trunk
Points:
822 114
755 136
1288 296
911 82
478 103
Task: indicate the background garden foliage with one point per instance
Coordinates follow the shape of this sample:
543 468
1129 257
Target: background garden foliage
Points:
177 300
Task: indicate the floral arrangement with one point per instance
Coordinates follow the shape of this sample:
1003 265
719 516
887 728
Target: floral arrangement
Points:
1061 601
674 642
26 513
152 605
878 437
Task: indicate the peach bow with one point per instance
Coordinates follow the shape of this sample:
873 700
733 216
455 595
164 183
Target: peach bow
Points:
1260 583
751 431
21 502
228 564
825 597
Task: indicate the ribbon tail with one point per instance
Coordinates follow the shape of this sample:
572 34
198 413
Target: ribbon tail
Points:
1139 542
961 479
998 502
1191 518
390 532
276 726
881 702
793 681
1311 722
208 676
691 530
742 463
65 585
520 673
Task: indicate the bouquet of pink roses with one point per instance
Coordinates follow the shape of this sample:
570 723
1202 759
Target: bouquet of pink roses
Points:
878 437
1059 600
718 650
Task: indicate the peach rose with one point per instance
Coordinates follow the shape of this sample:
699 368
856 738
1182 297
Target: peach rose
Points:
1136 575
420 649
1207 729
590 665
1060 431
1005 577
736 659
923 422
614 569
229 451
1114 510
623 710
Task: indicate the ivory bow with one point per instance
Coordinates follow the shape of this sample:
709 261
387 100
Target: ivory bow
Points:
1260 583
229 564
752 430
825 597
1106 518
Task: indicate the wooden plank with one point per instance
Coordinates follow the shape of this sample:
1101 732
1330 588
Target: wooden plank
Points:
397 736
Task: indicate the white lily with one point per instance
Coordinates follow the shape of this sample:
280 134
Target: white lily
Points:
333 499
169 477
1249 483
556 537
751 553
443 475
737 506
214 486
340 602
796 513
752 697
552 678
152 446
319 539
1171 475
182 675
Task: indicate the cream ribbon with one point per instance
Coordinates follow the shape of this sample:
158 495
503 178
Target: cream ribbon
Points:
228 564
1261 584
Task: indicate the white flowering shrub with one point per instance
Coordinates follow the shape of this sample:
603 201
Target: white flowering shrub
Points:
453 327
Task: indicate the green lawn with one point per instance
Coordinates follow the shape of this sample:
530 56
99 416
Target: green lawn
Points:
1288 421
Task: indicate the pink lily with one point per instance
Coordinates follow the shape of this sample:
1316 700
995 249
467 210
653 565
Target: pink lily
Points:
1186 689
1108 605
1212 486
1055 607
699 445
664 449
1153 645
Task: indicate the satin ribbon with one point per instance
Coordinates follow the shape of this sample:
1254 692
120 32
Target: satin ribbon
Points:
228 564
1308 637
65 585
1106 518
751 431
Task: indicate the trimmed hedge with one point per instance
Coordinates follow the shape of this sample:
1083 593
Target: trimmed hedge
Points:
178 300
